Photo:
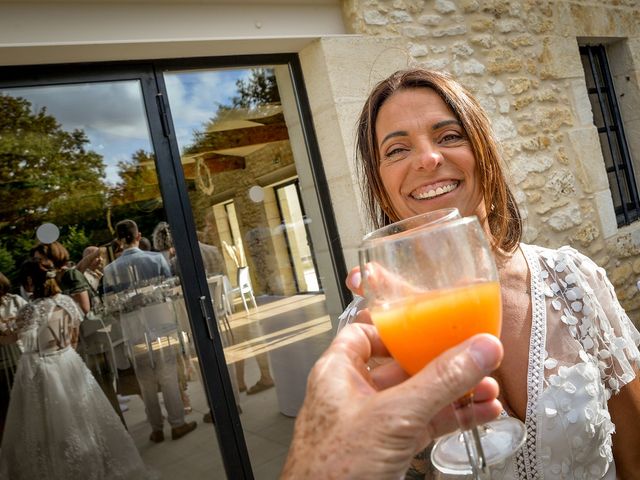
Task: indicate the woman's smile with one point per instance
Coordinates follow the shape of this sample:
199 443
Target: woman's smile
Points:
434 190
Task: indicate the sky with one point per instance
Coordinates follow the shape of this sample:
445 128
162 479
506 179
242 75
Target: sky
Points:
112 113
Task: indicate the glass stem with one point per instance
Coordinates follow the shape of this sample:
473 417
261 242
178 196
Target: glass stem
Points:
463 409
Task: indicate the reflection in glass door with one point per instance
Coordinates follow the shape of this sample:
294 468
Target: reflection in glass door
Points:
80 156
297 238
236 157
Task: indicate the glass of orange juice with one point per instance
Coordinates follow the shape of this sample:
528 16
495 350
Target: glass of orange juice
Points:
428 289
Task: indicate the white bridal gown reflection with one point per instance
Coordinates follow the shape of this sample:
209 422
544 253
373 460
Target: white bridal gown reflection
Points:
59 424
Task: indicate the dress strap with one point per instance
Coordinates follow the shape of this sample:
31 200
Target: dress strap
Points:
527 465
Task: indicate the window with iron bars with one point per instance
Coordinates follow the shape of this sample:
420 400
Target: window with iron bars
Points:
607 119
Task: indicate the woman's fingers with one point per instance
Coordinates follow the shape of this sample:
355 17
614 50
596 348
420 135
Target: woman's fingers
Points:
364 316
354 281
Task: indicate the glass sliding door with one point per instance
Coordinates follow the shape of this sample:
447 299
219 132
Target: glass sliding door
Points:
190 201
234 129
81 156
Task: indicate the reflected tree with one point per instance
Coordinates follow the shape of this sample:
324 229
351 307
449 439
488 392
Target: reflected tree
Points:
259 89
46 174
137 195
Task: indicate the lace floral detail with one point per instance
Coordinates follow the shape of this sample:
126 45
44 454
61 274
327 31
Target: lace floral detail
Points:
595 319
34 314
590 353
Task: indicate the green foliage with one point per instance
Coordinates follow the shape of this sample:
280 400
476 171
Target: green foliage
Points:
45 171
18 247
7 264
75 240
259 89
46 174
138 180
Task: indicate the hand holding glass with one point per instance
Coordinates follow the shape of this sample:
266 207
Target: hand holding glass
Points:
428 289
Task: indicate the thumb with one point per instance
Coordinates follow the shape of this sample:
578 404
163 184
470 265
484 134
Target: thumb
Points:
451 375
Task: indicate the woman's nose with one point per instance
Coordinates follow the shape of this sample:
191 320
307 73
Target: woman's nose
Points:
428 157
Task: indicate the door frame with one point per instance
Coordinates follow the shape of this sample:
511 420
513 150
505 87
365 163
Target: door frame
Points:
215 375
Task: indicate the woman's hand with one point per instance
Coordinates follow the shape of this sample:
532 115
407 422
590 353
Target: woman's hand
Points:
354 281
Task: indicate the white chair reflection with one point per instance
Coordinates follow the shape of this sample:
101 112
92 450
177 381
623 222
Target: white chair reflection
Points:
221 306
244 288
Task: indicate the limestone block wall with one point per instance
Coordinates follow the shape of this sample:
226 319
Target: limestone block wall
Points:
265 247
521 59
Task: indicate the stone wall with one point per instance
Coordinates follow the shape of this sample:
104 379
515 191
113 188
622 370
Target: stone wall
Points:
521 59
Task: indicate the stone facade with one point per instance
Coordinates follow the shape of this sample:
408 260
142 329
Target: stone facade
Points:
258 222
521 59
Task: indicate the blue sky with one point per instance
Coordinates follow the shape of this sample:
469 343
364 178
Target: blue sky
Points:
112 113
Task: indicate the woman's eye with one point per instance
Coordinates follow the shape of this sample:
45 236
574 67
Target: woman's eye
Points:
452 137
395 152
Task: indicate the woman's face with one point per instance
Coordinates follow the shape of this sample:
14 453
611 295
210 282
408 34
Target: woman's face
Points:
426 161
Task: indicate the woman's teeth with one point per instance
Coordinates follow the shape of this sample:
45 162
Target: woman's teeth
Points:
436 192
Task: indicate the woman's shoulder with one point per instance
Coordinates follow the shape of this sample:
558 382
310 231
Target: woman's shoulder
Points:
561 258
72 274
74 281
12 299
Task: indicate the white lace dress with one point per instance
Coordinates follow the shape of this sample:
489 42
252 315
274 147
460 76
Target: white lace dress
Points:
59 424
583 349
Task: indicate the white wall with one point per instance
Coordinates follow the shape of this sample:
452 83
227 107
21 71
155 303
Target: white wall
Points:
54 32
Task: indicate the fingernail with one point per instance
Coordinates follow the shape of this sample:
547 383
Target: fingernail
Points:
484 352
356 280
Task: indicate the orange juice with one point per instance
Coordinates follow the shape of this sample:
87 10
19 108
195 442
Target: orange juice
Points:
419 328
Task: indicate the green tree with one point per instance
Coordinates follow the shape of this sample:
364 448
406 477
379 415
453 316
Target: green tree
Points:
46 174
7 263
75 240
45 171
259 89
137 195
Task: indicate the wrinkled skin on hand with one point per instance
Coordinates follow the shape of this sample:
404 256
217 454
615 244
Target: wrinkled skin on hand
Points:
357 423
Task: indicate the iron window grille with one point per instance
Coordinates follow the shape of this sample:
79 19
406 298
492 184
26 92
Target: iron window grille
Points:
607 119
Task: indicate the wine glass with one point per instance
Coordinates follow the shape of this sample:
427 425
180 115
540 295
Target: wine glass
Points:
436 216
428 289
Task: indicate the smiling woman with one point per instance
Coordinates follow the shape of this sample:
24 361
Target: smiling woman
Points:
571 352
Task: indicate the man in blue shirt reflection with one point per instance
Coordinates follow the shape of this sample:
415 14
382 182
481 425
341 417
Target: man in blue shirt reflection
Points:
150 329
134 266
